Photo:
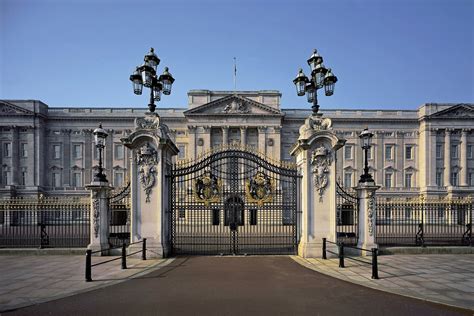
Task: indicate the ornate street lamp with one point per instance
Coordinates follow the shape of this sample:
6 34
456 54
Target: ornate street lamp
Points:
365 140
320 77
145 75
99 137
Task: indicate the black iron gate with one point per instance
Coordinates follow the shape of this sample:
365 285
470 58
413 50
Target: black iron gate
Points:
347 215
233 201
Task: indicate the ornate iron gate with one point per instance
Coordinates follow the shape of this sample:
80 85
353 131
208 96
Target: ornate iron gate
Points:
119 207
233 201
347 215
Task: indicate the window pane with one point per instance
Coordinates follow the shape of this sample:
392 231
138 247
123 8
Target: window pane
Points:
118 151
348 152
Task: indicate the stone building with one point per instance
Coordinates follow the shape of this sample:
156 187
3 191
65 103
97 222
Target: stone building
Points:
51 150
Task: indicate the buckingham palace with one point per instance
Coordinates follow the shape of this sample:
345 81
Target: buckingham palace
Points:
50 150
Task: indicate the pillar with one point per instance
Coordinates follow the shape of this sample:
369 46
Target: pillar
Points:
152 152
243 136
99 217
463 161
262 139
66 157
192 142
15 156
315 158
367 215
447 157
225 135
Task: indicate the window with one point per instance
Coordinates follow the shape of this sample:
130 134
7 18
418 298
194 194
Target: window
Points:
369 153
118 151
7 149
388 180
253 217
388 152
215 216
348 179
470 153
181 213
439 152
182 151
409 152
24 150
408 177
454 179
470 178
439 179
76 179
407 212
118 179
348 152
454 151
56 180
77 151
7 177
23 178
56 151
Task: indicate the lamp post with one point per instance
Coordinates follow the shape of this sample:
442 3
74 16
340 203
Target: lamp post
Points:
99 137
145 75
365 139
320 77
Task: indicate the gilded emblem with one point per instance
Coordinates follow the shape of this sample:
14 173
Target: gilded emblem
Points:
207 188
259 189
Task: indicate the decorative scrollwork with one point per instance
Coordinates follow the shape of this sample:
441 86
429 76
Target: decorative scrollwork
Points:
147 159
370 212
207 188
96 216
259 189
321 160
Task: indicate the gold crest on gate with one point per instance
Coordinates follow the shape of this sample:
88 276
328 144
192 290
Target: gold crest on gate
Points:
259 189
206 188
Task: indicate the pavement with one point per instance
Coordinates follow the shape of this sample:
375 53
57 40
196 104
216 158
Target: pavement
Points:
29 280
228 285
444 279
277 285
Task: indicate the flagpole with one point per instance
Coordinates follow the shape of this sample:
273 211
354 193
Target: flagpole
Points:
235 74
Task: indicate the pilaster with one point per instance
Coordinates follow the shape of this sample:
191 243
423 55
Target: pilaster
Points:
447 157
262 137
100 217
463 158
367 215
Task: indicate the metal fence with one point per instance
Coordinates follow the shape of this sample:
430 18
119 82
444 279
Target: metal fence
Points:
420 222
44 222
347 215
119 206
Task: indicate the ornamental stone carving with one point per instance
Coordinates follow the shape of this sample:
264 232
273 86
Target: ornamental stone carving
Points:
370 212
313 124
148 122
236 107
321 160
147 159
96 216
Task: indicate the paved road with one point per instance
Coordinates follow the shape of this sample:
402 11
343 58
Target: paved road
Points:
237 286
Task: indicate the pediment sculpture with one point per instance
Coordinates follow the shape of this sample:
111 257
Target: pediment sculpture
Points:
147 159
236 107
321 160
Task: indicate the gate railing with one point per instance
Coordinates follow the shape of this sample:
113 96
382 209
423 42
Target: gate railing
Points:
347 215
421 222
44 222
119 206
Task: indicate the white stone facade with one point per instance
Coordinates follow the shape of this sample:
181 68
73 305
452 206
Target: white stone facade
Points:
51 150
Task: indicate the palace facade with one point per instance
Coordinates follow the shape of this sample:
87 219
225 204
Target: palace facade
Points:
49 150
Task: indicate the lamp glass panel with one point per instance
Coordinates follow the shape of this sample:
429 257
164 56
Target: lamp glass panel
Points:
300 88
166 87
329 88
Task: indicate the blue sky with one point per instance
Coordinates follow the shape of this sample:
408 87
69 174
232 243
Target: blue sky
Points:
386 54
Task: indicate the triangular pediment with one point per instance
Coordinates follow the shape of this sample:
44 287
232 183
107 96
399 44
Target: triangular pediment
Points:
457 111
7 108
233 105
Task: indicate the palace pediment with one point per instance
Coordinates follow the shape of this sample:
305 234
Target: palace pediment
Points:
233 105
459 111
7 108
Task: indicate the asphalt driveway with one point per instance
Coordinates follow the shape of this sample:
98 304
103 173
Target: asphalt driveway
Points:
260 285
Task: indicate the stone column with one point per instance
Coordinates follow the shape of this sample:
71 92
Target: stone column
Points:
152 152
431 153
15 154
100 217
277 143
262 139
463 161
192 142
66 157
30 181
367 215
207 139
88 154
447 157
225 135
315 154
243 136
